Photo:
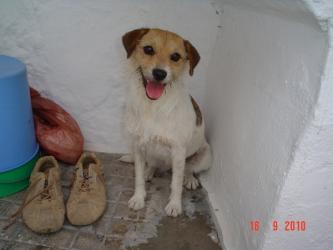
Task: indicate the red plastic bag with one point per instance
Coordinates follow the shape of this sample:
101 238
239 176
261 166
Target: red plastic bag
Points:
57 132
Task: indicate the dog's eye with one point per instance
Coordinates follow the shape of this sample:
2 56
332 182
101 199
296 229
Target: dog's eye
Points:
148 50
175 57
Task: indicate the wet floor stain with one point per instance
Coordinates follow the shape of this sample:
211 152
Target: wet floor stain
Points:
181 233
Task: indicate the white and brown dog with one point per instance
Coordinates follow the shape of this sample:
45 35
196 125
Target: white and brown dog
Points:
164 122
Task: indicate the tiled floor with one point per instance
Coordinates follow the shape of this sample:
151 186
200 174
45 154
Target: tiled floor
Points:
121 228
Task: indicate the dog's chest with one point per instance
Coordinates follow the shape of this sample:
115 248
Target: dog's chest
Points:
160 125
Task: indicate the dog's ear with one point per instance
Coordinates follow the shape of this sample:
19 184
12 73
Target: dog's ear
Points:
192 55
132 38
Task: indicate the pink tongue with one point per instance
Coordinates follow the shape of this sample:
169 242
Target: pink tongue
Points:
154 90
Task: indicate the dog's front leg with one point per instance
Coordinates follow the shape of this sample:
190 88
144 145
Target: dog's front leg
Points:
138 199
174 207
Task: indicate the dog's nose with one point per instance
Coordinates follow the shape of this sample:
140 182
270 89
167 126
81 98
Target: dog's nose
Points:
159 74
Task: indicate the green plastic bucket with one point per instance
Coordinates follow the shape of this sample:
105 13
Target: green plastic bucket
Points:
17 179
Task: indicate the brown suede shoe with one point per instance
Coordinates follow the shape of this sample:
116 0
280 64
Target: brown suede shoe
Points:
43 209
87 200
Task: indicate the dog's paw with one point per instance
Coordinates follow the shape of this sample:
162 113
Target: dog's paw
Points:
173 208
190 182
136 202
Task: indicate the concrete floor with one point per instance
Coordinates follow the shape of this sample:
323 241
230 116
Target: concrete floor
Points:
120 227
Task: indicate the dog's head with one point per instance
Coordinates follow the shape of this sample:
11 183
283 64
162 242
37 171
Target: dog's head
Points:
161 57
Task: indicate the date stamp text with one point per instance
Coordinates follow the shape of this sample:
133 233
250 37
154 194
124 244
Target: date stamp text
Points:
287 225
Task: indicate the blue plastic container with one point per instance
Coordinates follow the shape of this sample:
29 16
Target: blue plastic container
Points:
17 135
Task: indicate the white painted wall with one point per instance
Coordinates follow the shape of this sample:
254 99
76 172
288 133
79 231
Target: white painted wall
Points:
258 83
307 192
262 91
74 53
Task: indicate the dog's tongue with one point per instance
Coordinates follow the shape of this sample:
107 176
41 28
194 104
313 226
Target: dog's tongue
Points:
154 90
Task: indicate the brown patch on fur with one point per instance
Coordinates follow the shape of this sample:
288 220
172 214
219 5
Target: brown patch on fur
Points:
192 55
162 141
132 38
197 111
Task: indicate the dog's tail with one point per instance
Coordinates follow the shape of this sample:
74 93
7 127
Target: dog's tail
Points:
127 158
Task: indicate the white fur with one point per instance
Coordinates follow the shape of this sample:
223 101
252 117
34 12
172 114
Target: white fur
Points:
163 133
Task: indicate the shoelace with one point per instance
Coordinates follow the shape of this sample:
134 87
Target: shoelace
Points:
45 194
84 182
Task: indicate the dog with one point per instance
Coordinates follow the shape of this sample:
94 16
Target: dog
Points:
164 122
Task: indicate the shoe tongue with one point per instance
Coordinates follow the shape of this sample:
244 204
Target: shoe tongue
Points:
79 171
41 177
154 90
92 171
87 172
38 175
51 173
